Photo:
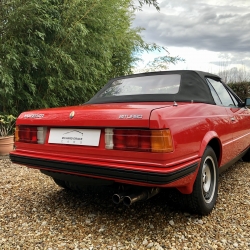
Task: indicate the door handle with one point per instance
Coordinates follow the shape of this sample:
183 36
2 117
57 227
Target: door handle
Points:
232 119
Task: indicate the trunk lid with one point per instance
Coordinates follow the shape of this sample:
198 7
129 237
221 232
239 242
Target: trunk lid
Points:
93 115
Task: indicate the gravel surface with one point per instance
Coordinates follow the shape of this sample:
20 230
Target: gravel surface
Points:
37 214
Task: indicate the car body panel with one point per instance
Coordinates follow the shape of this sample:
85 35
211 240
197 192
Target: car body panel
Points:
240 120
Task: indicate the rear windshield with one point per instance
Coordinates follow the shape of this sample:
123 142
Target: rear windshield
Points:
155 84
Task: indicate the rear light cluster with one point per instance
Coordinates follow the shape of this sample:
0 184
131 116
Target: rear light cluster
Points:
30 134
159 141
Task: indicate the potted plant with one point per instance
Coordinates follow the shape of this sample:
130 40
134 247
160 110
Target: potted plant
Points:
7 123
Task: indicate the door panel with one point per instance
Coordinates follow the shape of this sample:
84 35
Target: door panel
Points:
239 117
240 122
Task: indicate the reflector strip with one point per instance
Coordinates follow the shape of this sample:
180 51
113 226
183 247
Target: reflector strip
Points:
109 138
41 134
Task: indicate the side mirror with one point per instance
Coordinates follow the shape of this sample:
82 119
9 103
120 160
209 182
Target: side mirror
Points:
247 102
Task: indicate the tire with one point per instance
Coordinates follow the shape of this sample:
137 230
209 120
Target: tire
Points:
205 191
73 187
246 157
60 183
68 185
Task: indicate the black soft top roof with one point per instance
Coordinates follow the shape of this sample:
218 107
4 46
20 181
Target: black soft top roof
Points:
193 88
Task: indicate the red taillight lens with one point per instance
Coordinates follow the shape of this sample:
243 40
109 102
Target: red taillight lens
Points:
145 140
119 139
131 139
27 134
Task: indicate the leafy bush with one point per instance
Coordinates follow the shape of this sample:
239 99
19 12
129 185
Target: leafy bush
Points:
58 53
7 123
242 89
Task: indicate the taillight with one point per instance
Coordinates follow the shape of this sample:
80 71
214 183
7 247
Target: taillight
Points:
161 141
139 140
30 134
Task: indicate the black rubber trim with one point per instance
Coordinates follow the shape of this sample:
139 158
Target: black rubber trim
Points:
102 172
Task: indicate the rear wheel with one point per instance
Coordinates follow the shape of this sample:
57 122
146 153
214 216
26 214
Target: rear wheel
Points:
61 183
246 157
72 186
205 190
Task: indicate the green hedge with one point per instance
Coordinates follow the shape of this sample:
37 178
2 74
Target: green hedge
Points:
242 89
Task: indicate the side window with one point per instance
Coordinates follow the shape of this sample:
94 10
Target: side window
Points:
222 92
214 94
234 99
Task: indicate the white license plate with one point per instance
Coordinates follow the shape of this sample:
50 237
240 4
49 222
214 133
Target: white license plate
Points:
84 137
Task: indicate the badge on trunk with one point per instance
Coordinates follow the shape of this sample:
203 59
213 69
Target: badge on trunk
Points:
72 114
130 116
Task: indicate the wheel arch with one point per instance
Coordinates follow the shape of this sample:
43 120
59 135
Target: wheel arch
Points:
212 139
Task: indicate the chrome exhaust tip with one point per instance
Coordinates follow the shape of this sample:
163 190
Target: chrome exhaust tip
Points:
118 198
140 196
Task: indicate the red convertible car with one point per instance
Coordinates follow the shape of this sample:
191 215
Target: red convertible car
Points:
143 133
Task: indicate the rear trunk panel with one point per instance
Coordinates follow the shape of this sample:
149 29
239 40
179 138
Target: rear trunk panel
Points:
95 115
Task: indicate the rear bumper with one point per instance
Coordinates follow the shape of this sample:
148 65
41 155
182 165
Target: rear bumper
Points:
140 177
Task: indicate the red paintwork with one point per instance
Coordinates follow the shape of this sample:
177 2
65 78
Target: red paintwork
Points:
192 125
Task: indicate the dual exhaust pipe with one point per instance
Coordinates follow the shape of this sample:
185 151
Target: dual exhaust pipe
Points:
129 198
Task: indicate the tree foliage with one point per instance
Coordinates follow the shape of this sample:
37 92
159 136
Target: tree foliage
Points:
60 52
161 63
242 89
234 75
148 2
